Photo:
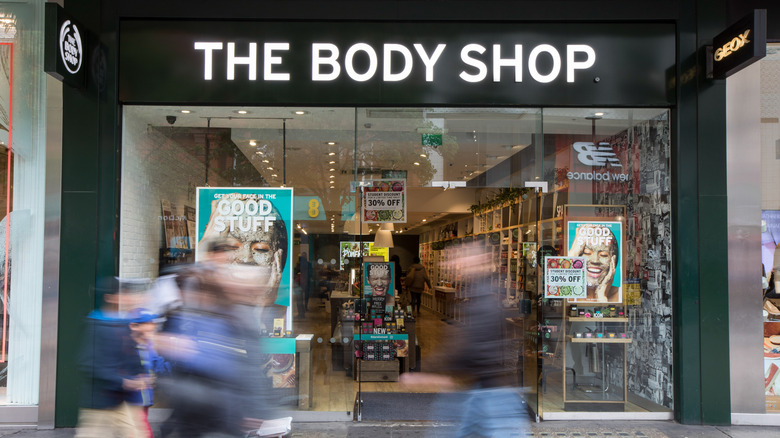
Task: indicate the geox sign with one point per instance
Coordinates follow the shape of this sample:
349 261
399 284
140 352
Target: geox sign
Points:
742 44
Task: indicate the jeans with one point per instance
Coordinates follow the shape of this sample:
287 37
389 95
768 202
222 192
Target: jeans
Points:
494 412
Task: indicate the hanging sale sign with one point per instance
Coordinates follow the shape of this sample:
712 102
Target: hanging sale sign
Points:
384 200
564 277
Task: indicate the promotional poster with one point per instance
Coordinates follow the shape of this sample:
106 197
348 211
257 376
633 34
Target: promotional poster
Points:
564 277
384 200
600 243
351 250
378 283
257 222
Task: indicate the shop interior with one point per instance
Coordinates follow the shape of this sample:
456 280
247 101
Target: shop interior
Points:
504 178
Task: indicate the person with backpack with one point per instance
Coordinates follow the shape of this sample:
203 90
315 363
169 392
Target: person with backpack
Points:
416 280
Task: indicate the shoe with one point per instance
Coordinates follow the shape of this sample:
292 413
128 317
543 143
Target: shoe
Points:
772 310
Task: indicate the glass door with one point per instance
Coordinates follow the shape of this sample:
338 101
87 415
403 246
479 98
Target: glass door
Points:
602 230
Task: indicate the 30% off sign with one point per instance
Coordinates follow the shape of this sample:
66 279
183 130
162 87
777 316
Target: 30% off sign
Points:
564 277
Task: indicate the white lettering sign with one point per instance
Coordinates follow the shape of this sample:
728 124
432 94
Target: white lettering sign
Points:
327 62
71 50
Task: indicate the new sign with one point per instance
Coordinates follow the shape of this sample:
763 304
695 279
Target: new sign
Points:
66 47
395 63
742 44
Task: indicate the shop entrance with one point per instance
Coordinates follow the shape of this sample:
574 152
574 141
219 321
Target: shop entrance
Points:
376 189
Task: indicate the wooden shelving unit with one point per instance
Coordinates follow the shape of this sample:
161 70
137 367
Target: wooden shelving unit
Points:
607 392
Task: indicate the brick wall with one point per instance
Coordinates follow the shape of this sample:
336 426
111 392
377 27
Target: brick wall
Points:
154 168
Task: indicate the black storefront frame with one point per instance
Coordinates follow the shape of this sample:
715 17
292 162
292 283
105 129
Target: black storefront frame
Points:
698 196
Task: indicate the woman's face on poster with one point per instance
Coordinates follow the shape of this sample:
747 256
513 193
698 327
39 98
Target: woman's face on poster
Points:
379 280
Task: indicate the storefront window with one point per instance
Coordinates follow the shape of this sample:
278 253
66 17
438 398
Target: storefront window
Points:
23 164
770 219
516 180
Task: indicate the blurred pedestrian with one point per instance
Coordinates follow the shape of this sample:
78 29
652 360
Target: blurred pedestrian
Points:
491 407
143 326
110 362
202 343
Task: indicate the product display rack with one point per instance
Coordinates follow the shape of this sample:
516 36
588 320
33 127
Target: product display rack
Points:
509 233
596 337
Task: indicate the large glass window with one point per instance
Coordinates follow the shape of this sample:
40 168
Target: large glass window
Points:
770 215
518 181
22 195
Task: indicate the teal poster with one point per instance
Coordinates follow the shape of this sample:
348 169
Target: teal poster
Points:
378 281
252 227
600 243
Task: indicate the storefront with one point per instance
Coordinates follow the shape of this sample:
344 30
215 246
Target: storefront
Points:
753 202
520 136
29 289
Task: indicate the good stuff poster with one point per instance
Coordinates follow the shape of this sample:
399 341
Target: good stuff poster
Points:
257 223
600 243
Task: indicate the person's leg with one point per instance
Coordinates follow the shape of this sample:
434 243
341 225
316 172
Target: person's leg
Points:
144 421
416 301
128 422
94 423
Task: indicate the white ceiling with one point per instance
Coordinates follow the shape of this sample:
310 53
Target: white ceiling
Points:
474 140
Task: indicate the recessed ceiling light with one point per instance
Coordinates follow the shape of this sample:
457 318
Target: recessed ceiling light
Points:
416 163
252 143
186 111
242 112
331 153
423 155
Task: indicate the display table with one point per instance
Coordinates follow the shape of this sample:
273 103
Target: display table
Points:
445 299
337 300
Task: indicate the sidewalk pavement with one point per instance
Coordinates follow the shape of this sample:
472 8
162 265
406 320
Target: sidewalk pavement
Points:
549 429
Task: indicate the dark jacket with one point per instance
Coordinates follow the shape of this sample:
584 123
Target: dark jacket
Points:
107 357
419 278
476 351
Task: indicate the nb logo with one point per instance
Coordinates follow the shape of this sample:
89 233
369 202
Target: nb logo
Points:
600 155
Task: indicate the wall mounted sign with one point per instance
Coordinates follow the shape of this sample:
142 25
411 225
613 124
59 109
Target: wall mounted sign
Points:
213 62
65 47
742 44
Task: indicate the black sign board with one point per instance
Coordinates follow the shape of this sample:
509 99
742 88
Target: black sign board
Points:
406 63
65 47
742 44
